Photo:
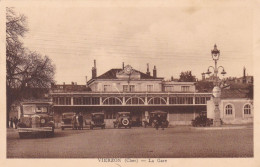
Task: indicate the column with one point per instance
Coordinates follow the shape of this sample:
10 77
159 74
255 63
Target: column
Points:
123 101
71 101
100 101
145 101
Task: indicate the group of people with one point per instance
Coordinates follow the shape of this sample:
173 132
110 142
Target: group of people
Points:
77 121
13 122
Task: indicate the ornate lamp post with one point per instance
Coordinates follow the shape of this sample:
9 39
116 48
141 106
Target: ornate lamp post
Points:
216 90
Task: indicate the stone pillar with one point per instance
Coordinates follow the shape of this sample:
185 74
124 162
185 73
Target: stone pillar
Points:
71 101
123 101
216 99
145 101
216 121
100 101
168 100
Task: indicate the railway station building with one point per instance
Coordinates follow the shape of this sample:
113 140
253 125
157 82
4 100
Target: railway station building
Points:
128 89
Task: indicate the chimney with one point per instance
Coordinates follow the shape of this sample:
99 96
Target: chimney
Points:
94 70
63 83
72 83
171 78
244 75
148 72
86 79
123 66
154 72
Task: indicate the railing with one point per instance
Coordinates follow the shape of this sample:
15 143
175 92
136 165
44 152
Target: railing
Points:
129 99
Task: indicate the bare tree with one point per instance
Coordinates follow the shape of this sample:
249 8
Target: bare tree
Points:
24 69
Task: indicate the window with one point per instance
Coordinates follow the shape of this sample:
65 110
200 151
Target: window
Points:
247 109
168 88
68 101
107 88
228 109
112 101
128 88
149 88
185 88
125 88
131 88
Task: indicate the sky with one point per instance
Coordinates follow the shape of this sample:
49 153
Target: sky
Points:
174 38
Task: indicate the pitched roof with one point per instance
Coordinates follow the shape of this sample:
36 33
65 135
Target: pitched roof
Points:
111 74
234 93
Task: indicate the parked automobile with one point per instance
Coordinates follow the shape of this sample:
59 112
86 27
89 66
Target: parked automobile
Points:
202 120
123 119
153 119
136 122
36 118
97 120
66 121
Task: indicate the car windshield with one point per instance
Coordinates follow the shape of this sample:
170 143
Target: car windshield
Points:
32 109
29 109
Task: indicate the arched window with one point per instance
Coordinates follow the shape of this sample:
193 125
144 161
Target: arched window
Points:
229 109
247 109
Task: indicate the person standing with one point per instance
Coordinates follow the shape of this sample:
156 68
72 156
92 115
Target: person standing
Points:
11 123
159 122
15 122
77 121
80 118
74 122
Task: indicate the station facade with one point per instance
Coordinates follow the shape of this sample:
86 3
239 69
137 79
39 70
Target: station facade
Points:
127 89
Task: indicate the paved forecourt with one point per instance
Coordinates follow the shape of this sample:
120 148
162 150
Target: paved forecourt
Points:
180 141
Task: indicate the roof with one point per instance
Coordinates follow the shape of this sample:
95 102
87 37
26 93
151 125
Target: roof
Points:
68 113
95 113
234 93
159 112
111 74
123 112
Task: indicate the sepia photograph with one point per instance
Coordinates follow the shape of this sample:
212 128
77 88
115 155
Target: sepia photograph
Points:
128 82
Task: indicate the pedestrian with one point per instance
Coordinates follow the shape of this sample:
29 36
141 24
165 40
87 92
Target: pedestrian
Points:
15 122
159 122
77 121
74 122
80 118
11 123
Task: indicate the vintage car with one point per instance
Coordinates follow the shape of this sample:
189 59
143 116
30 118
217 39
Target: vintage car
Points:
66 121
36 117
153 119
97 120
123 119
202 120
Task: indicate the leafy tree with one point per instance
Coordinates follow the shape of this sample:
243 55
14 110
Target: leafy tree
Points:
187 77
204 86
25 70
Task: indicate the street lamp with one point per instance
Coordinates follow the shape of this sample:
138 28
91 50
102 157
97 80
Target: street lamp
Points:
216 90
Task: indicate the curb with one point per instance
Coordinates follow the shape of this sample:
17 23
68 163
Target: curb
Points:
221 128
